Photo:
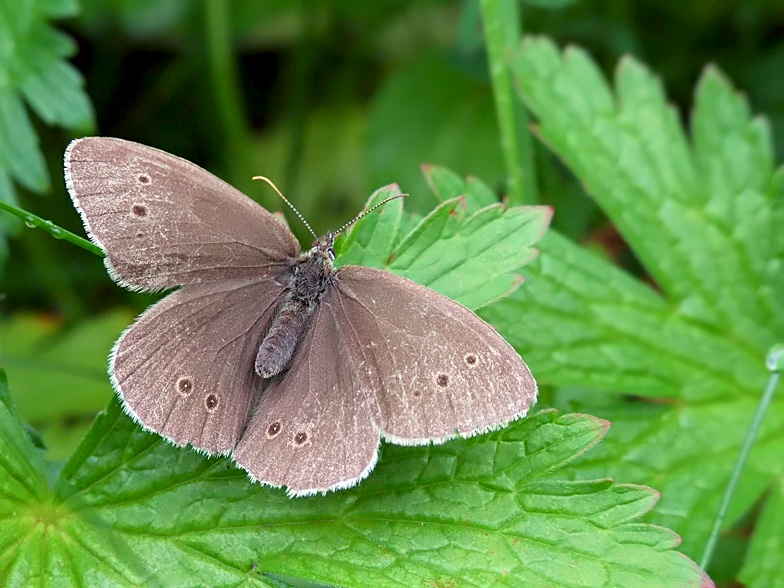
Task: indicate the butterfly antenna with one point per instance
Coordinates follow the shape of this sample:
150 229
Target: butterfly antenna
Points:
286 200
368 211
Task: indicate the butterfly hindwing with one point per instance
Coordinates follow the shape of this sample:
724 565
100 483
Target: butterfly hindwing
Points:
185 368
313 429
435 368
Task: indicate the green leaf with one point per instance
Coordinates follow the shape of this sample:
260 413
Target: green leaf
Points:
130 509
447 185
24 493
23 479
59 377
371 239
33 70
31 64
472 258
705 221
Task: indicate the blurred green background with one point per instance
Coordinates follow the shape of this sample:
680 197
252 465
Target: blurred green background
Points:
329 98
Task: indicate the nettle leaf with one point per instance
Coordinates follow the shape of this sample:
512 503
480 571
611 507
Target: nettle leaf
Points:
705 219
130 509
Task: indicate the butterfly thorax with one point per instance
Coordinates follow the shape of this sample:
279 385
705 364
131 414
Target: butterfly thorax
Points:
313 270
310 276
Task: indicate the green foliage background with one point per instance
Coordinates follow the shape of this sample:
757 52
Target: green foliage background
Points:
658 321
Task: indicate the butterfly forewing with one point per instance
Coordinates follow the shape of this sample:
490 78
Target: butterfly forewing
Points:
164 221
313 429
434 367
185 368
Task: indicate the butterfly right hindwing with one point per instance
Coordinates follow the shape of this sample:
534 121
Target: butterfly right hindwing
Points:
185 368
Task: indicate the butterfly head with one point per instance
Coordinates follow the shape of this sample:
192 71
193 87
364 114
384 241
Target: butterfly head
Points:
325 247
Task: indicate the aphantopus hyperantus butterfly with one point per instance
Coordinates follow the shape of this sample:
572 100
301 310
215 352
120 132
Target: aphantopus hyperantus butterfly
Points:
272 355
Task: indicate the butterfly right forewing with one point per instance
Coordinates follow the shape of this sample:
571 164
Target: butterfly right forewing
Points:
164 221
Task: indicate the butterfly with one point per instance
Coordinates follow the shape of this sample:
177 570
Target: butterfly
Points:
268 353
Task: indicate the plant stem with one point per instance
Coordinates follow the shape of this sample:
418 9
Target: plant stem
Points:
32 220
224 80
774 363
501 19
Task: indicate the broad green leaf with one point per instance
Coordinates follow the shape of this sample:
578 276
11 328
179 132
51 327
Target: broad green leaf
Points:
130 509
58 378
705 221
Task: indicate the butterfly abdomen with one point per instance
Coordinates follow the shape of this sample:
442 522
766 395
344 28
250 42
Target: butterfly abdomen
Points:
310 278
277 348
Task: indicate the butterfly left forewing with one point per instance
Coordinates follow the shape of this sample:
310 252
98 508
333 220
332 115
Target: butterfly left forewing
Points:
313 430
434 367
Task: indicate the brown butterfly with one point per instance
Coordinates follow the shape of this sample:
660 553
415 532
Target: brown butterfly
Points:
268 353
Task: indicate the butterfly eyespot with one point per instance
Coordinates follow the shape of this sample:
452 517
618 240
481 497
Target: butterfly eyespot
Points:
442 380
184 386
471 359
300 438
273 430
143 179
139 210
211 402
417 393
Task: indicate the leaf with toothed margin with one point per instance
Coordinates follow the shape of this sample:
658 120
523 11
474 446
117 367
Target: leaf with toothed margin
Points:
446 185
704 216
34 73
471 257
130 509
370 240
